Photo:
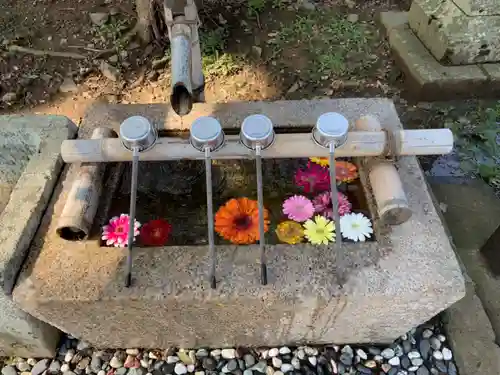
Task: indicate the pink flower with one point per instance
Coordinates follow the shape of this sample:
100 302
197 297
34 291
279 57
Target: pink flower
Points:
323 204
314 178
116 232
298 208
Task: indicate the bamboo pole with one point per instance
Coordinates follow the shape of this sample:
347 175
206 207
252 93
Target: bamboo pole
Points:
297 145
387 188
81 205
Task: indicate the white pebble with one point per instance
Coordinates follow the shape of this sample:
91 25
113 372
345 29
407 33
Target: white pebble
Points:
228 353
313 361
133 352
387 353
172 359
65 367
199 373
247 372
447 354
286 367
285 350
225 369
334 366
277 362
296 363
190 368
180 369
69 355
144 363
413 368
264 354
311 351
361 353
216 353
115 363
394 361
413 354
273 352
31 361
278 373
441 338
417 361
378 358
301 354
152 355
101 372
438 355
404 337
427 333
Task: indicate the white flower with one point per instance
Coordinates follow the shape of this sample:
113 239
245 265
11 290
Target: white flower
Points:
355 227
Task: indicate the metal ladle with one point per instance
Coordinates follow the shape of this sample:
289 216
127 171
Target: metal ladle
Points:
257 134
206 136
137 135
330 132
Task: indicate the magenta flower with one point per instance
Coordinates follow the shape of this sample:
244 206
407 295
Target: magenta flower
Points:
298 208
314 178
323 204
116 232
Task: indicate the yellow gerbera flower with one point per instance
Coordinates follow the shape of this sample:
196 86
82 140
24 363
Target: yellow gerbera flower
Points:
290 232
324 162
319 230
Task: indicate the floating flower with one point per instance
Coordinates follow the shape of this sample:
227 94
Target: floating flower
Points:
356 227
298 208
345 171
319 230
290 232
238 221
323 204
313 178
116 232
155 232
324 162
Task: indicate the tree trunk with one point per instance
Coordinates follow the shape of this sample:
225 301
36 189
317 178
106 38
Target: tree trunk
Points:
144 18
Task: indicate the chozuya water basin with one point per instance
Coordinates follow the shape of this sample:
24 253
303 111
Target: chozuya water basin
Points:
367 292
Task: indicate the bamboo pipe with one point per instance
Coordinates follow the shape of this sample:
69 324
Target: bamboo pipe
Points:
296 145
81 205
387 188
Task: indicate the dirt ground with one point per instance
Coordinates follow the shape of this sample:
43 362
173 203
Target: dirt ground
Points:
252 52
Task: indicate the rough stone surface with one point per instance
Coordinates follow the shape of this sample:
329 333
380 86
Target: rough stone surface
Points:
426 76
471 223
381 290
30 163
454 37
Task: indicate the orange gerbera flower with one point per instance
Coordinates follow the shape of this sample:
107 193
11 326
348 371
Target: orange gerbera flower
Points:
345 171
238 221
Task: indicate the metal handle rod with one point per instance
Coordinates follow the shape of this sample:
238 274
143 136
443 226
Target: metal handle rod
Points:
210 218
131 228
335 200
260 204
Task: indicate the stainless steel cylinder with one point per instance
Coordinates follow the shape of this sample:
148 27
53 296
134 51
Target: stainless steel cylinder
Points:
205 132
136 132
330 127
257 130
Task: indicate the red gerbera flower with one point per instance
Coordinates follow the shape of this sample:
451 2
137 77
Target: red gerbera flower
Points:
314 178
155 232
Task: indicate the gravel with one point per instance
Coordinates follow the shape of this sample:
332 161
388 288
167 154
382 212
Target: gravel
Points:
422 351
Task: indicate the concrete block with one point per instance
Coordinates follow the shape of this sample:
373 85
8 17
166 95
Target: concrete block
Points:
471 336
29 168
409 275
426 77
471 222
455 37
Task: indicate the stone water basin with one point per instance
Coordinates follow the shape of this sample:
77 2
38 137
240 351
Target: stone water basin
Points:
30 165
364 292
